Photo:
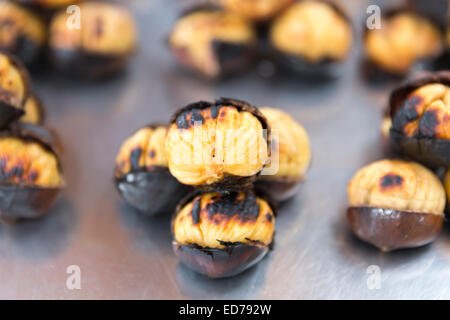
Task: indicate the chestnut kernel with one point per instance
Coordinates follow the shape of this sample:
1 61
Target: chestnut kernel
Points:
101 47
406 38
222 234
30 174
256 10
213 43
34 110
421 118
312 37
142 176
396 204
290 150
221 145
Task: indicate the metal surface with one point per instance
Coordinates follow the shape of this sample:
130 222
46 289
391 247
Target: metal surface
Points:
123 254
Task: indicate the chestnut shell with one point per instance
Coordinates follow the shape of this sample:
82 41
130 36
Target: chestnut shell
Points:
151 192
432 152
389 229
277 189
229 182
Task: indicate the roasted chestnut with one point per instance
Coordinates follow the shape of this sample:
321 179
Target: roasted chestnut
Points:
213 43
312 37
222 234
47 4
290 156
447 189
221 145
419 109
34 111
22 33
396 204
405 39
256 10
14 85
142 176
102 45
30 174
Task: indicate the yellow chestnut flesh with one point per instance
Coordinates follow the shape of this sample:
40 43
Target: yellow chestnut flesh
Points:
13 86
256 10
312 30
447 185
33 111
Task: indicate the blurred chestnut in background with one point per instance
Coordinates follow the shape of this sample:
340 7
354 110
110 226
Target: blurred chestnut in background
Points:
47 4
30 174
396 204
22 32
290 156
312 37
142 176
102 45
419 109
222 234
213 43
256 10
221 145
404 40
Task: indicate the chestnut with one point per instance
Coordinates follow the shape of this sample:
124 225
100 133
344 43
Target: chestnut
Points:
256 10
47 4
405 40
14 86
213 43
447 188
221 145
396 204
141 173
222 234
420 118
34 110
101 47
291 153
30 173
22 33
312 37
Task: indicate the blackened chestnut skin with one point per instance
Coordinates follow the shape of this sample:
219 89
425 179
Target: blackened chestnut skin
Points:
152 192
430 151
277 189
389 229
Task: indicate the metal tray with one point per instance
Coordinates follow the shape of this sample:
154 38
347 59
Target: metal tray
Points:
125 255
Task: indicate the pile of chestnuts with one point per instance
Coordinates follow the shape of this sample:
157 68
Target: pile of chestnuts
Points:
226 164
31 175
94 39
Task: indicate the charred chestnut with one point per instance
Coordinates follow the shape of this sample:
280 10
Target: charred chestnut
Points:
22 33
30 174
312 37
405 39
100 47
213 43
142 176
221 145
222 234
13 89
396 204
419 109
34 111
256 10
291 155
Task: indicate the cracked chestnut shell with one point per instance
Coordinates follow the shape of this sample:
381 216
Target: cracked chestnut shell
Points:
213 43
222 234
396 204
312 37
142 176
14 84
256 10
405 40
290 156
419 109
30 173
221 145
22 32
101 47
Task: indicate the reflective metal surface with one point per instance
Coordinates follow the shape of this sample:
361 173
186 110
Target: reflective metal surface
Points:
123 254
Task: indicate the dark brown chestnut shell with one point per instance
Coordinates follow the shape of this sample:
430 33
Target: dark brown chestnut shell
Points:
19 202
389 229
216 263
430 151
229 182
278 189
152 192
